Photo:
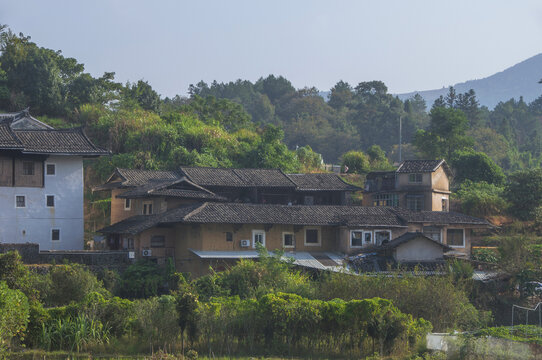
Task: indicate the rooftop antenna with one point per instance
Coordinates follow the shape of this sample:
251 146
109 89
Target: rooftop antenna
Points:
400 138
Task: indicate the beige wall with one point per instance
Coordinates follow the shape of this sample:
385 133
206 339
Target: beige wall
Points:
437 201
402 180
418 250
439 180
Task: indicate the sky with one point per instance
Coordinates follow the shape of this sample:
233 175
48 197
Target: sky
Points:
410 45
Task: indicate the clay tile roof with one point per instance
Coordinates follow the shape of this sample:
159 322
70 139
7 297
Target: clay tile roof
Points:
8 140
329 182
206 176
238 213
420 166
67 141
438 217
136 177
169 188
406 237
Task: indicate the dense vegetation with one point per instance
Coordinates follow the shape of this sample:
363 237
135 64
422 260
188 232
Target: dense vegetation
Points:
266 307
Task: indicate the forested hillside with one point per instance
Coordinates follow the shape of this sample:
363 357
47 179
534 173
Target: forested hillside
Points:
260 124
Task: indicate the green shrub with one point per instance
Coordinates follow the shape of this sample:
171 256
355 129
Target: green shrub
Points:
144 279
71 283
156 320
481 198
14 312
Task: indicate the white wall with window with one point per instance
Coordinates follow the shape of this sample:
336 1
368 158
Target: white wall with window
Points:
34 222
288 240
258 237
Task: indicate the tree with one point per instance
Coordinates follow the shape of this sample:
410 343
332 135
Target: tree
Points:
142 94
340 95
446 134
356 162
186 304
524 191
211 110
274 87
475 166
378 159
14 313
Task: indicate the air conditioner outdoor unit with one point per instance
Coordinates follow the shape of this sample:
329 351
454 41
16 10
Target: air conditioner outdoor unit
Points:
147 252
245 243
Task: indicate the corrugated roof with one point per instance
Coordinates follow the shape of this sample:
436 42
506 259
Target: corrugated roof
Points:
321 182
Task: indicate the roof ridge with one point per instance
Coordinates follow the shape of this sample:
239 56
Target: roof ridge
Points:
196 210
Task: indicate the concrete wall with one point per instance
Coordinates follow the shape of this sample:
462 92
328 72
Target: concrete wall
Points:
402 180
439 180
418 250
35 222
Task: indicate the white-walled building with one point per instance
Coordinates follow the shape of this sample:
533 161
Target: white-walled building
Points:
41 183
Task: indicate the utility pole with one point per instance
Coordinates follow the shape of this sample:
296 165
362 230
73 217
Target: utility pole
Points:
400 138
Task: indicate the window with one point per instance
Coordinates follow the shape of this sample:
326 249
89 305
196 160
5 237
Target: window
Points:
444 204
415 178
381 236
386 200
129 243
50 201
147 208
229 236
158 241
127 204
288 240
312 237
50 169
55 234
433 232
356 238
28 168
367 237
455 237
414 202
20 201
258 236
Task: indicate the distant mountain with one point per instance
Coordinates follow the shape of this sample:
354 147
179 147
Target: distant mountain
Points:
518 80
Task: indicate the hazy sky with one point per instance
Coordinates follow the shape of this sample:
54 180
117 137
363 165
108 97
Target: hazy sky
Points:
410 45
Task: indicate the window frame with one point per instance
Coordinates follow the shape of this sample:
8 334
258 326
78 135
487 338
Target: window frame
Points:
412 197
381 230
370 232
456 246
47 169
26 162
59 234
129 201
143 208
257 232
284 233
47 201
229 236
446 201
413 178
162 237
319 235
362 238
24 201
435 227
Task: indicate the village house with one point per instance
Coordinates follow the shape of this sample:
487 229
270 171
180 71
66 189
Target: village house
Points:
415 185
41 182
174 214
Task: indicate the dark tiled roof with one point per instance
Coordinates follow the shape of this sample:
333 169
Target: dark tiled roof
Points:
419 166
439 217
8 140
330 182
167 188
68 141
241 213
136 177
238 213
206 176
22 120
139 223
406 237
